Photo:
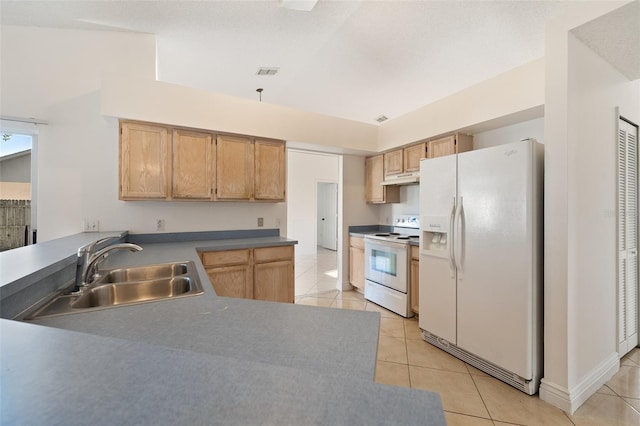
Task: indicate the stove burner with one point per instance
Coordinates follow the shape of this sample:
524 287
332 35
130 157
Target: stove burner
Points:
383 235
403 237
394 233
414 236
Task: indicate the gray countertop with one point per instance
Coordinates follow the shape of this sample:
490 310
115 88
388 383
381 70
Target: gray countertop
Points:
223 353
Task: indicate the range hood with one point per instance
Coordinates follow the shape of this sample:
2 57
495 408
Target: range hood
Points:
403 179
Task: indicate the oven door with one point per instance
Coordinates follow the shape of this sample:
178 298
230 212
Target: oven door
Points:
386 263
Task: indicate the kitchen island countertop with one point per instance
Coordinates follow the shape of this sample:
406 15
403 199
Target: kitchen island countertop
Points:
217 353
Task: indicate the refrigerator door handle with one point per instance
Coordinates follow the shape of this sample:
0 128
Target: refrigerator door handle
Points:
452 260
459 233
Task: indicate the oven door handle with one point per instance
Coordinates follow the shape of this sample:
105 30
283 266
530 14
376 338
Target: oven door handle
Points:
452 255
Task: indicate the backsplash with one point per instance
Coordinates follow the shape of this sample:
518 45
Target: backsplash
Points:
409 204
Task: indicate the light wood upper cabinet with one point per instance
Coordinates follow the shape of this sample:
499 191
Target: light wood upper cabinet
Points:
393 162
270 170
144 161
234 168
376 193
193 164
412 156
448 145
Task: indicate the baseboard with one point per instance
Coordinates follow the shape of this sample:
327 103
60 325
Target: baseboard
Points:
571 400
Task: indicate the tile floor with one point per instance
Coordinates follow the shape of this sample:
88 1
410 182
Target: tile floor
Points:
469 396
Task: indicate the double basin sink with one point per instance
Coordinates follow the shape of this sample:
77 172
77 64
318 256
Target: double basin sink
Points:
128 286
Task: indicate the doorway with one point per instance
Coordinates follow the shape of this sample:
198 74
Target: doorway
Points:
17 189
327 215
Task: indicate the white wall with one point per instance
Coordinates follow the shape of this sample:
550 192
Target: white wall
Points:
305 170
56 75
516 91
582 91
513 133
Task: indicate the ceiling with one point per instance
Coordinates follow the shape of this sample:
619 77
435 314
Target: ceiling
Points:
351 59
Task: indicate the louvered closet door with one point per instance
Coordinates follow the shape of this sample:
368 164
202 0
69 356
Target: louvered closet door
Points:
627 237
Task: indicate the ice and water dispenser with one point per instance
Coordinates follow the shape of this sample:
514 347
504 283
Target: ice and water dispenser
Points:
435 235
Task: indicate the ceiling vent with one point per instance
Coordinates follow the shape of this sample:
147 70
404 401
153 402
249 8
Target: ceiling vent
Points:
267 71
382 118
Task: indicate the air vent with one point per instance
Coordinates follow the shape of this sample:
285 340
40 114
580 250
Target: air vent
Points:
382 118
267 71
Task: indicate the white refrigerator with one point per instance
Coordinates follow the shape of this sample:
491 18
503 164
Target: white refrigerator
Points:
481 259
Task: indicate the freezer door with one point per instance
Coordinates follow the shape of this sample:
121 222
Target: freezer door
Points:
495 255
437 274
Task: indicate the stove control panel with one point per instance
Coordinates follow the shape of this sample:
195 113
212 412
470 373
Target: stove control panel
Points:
407 221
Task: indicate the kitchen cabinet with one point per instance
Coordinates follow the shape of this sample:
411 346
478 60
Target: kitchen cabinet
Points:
356 262
144 161
375 192
414 280
234 168
193 165
273 274
393 162
230 272
265 273
412 156
448 145
170 163
250 170
270 170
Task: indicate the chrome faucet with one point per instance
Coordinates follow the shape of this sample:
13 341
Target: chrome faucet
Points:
84 253
90 271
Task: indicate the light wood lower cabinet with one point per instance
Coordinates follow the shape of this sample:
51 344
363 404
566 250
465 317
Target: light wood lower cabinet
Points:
414 280
265 273
356 262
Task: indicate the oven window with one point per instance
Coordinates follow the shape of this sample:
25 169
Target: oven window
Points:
383 261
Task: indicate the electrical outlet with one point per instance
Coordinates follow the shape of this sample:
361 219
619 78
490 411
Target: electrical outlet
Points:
260 221
159 224
91 225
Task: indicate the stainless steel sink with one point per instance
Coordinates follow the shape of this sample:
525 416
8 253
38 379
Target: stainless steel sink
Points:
140 273
128 286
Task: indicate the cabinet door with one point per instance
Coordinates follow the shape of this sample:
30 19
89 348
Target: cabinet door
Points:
414 297
270 170
273 281
234 168
231 281
413 155
356 267
374 175
144 161
192 165
393 162
441 147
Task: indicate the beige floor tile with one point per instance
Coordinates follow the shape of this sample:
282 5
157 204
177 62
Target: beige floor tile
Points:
331 294
314 301
383 312
423 354
457 391
455 419
348 304
600 410
392 349
475 372
605 390
635 403
391 373
626 382
509 405
392 327
412 329
634 355
351 295
504 424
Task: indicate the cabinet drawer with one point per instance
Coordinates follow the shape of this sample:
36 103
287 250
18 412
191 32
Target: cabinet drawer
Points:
272 254
356 242
415 252
225 258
